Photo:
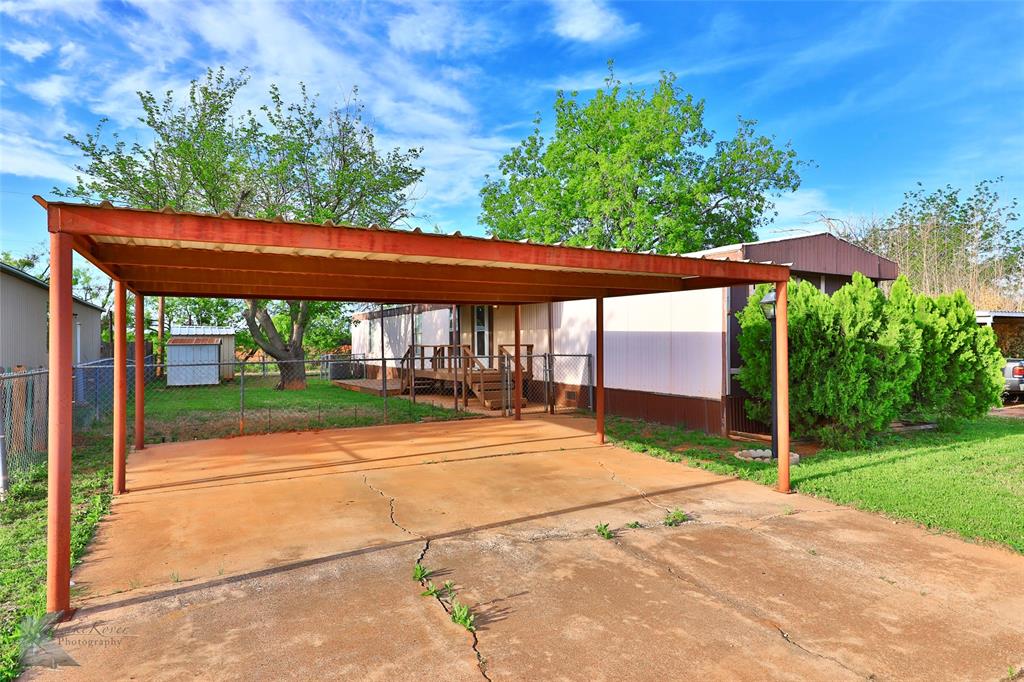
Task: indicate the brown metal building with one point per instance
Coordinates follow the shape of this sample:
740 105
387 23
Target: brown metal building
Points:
822 259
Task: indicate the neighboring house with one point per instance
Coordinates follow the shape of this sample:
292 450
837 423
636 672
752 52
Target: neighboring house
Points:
24 315
222 337
1008 327
667 358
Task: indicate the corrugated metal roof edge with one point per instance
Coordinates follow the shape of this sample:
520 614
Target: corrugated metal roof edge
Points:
330 223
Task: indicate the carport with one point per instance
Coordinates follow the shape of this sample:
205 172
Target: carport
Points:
154 253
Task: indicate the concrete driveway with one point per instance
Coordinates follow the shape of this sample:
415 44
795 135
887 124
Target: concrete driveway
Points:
290 556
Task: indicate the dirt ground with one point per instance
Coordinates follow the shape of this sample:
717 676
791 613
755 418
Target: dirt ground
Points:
290 556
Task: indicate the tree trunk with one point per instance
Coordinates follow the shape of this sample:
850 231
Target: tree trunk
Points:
293 372
289 354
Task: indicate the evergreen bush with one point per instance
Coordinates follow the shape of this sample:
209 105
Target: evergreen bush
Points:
856 360
961 375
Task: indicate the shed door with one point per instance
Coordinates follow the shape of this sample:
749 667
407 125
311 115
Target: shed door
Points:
193 365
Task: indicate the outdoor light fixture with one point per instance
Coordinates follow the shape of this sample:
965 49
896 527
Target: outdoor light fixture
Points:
768 305
768 308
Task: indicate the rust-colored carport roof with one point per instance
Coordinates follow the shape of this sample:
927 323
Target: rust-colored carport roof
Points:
187 254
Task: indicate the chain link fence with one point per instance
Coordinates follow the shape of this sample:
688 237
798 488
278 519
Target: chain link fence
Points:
190 401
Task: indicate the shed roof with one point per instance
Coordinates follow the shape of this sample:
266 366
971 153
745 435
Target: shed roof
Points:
194 341
188 254
200 330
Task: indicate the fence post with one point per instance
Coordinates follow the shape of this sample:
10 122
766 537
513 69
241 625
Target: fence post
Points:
590 379
5 481
241 402
547 384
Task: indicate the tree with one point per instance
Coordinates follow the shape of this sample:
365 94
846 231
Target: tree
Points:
944 242
629 171
286 160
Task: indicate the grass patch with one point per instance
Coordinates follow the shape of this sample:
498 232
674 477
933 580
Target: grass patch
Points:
675 518
23 536
175 413
969 481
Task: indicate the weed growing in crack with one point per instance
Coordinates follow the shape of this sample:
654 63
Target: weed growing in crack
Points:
461 615
604 531
812 552
175 577
449 588
633 524
431 590
420 572
788 511
675 517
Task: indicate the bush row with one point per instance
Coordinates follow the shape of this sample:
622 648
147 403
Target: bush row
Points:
858 360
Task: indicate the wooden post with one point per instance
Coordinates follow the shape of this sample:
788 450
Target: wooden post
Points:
120 386
140 372
782 379
599 360
518 400
58 527
158 355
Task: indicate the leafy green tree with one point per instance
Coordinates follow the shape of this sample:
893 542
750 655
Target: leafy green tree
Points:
216 312
285 160
637 172
944 241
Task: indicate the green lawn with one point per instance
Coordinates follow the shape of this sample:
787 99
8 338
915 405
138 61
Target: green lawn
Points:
175 413
23 536
969 481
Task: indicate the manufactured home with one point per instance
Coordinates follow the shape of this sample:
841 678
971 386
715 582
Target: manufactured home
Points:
669 357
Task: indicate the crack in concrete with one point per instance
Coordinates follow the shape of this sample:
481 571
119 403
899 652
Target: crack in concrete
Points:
391 506
627 486
790 640
481 662
751 613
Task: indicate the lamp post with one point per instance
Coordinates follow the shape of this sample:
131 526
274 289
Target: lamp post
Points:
768 308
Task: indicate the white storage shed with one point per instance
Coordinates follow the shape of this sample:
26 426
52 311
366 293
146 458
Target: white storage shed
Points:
193 361
227 343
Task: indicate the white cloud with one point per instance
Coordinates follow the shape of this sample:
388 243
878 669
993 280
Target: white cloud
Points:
21 155
71 54
51 90
29 50
590 21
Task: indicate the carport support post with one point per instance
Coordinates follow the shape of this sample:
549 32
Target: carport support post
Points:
782 382
58 527
599 348
140 372
518 401
120 385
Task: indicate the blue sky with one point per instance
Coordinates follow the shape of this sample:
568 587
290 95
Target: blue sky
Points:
879 96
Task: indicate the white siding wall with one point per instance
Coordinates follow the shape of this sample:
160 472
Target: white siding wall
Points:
660 343
398 333
665 343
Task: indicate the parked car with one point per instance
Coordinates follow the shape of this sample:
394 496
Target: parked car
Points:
1013 373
